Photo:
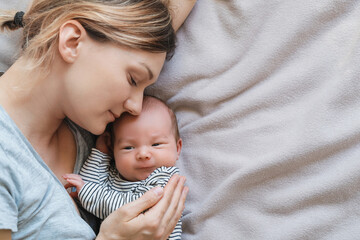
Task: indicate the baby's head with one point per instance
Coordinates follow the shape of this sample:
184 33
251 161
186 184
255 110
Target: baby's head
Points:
145 142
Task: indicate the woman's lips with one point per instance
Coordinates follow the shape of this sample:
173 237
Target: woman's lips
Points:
114 115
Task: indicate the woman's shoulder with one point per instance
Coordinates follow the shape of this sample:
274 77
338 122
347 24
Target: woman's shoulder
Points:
12 141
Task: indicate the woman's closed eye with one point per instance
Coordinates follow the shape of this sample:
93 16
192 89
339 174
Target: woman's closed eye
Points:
132 81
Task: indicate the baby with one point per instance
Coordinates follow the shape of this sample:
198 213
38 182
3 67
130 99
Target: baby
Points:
139 154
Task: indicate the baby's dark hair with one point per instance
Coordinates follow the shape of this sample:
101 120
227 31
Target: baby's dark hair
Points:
149 100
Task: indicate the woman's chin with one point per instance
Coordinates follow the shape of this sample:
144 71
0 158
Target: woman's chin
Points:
97 130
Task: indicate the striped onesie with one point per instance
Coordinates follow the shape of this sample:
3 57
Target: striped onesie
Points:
105 191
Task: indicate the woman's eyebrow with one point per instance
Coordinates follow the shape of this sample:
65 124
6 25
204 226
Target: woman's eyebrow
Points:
151 75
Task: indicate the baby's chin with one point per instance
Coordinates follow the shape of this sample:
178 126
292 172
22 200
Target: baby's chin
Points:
144 173
138 175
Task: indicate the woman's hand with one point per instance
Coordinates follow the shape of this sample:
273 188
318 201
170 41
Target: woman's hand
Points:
164 211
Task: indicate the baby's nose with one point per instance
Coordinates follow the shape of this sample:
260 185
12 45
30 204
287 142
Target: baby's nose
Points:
144 153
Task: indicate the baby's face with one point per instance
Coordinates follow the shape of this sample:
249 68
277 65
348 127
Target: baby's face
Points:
145 142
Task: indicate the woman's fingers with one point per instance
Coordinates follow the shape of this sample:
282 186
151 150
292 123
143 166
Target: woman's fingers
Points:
161 208
174 211
168 210
158 222
175 198
135 208
179 210
128 221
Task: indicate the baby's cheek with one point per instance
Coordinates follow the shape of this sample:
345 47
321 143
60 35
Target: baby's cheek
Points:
170 160
121 164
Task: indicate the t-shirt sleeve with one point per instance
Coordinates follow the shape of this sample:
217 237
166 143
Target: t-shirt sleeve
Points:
8 195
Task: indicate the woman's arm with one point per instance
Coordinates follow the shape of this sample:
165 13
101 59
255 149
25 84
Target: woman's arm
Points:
179 9
130 221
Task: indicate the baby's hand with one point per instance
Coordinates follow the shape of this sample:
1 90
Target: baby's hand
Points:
103 143
74 180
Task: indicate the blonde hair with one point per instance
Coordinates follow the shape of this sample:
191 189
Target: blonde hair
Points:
139 24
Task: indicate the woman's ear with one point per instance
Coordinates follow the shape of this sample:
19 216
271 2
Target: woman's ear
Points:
178 148
71 35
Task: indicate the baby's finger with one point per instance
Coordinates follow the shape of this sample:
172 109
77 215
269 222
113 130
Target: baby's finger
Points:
71 176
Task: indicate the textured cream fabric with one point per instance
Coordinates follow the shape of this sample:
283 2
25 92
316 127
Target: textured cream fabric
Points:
267 94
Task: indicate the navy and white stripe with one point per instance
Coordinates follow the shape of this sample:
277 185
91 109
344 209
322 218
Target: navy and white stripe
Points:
105 191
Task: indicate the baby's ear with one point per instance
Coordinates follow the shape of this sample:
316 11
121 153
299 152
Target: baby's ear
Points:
178 148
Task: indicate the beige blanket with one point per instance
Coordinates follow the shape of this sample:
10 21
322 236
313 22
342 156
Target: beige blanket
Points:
267 95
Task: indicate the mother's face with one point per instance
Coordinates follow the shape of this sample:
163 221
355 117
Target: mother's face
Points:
106 80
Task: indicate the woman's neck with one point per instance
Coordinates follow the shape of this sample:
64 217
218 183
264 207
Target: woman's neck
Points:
32 101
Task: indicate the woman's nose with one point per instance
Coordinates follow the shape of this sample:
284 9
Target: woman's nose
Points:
144 153
133 105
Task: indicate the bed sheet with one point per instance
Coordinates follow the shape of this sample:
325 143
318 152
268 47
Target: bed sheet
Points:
267 96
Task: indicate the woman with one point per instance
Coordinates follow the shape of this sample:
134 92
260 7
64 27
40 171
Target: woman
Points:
87 61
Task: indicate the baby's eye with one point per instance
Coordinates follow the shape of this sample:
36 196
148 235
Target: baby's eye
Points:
156 144
128 148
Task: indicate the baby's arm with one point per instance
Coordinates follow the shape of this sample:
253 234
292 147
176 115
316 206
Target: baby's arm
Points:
95 195
98 160
101 200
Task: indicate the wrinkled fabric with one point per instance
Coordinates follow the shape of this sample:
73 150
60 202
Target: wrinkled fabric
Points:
267 95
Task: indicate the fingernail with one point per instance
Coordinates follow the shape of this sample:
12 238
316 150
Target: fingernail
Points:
158 190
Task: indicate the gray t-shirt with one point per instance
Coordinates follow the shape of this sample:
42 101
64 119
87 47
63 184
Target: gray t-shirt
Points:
34 203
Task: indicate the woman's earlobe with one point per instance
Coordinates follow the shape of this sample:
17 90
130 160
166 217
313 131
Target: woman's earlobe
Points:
71 34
